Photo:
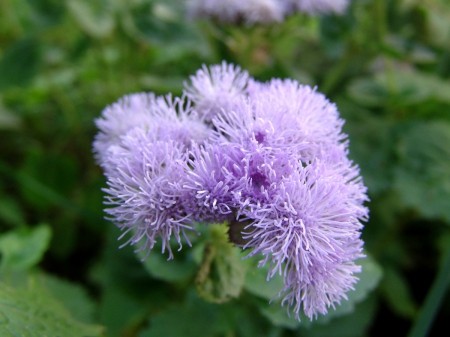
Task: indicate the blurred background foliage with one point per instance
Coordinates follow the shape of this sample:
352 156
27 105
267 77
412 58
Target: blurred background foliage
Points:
386 64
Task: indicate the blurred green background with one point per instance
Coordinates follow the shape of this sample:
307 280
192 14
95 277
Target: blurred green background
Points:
385 63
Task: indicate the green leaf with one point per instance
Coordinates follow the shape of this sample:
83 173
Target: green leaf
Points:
371 139
279 315
10 211
119 312
19 63
95 17
57 171
197 318
395 290
161 22
34 312
24 247
423 176
221 275
168 270
354 325
256 282
47 12
403 88
73 296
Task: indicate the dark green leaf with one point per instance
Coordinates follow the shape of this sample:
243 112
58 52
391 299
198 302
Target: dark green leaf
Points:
20 63
397 293
221 275
354 325
423 176
10 211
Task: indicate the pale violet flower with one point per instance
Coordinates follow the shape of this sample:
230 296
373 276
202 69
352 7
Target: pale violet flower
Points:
269 158
216 88
165 117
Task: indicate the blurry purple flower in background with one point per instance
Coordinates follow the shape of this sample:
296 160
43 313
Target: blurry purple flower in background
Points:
268 157
249 11
314 7
260 11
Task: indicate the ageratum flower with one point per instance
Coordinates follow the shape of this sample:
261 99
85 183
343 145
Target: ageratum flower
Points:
166 117
278 162
215 89
270 158
144 163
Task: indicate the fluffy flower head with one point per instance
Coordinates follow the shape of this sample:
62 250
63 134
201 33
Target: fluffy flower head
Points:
271 156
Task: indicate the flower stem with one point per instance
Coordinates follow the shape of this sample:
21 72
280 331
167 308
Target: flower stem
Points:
433 301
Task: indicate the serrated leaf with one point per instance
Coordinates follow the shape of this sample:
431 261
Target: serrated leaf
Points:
221 275
33 312
73 296
24 247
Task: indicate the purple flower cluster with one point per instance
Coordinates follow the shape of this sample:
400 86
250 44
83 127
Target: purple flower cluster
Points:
263 11
268 157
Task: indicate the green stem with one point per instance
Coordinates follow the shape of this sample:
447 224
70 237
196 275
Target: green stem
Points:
433 301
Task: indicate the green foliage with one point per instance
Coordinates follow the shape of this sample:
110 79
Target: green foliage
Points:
19 63
73 296
34 312
221 274
24 247
386 64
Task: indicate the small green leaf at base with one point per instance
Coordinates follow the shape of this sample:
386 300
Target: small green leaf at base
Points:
221 275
